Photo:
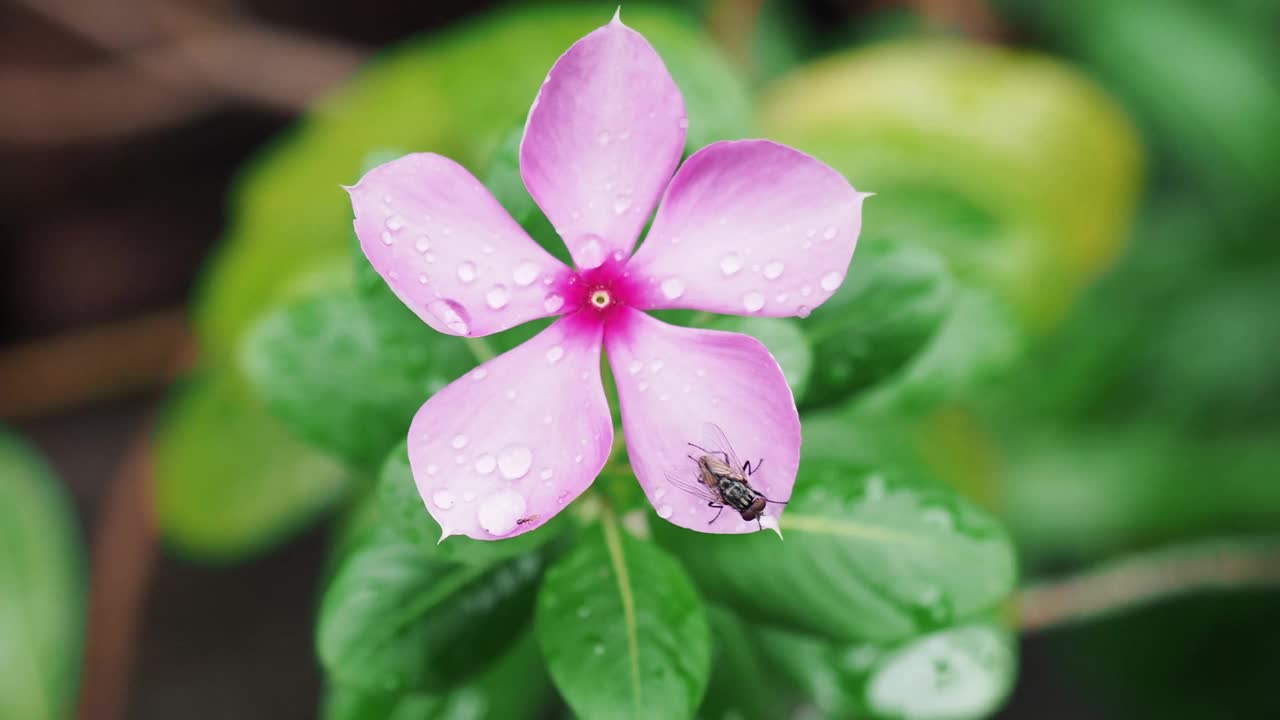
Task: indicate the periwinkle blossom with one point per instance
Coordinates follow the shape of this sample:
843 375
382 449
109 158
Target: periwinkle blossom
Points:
745 227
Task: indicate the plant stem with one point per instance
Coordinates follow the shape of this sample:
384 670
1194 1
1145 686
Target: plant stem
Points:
1146 577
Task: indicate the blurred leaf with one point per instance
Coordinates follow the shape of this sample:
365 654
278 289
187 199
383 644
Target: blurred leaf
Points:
783 339
395 618
1078 494
623 631
743 684
959 673
1018 171
1220 63
895 298
402 512
322 367
516 687
42 590
872 552
979 342
229 480
455 93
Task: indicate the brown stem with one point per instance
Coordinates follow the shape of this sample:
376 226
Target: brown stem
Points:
1149 576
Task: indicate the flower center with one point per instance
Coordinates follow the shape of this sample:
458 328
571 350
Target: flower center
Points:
601 298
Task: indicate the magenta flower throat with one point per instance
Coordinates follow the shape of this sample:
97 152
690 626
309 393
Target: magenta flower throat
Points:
745 227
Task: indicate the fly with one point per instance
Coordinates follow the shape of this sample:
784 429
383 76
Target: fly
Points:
724 481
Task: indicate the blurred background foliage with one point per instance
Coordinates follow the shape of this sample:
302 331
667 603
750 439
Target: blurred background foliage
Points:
1057 346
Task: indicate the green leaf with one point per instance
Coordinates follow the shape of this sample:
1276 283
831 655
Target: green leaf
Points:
402 512
622 629
743 684
42 590
874 552
979 342
959 673
396 618
229 480
325 370
456 93
785 342
893 301
516 687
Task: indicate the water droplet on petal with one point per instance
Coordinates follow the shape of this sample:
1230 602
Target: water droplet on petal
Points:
591 254
656 366
422 244
831 281
395 223
806 291
499 512
773 270
635 367
387 237
753 301
555 353
621 204
672 288
514 461
665 511
730 264
546 474
803 311
485 464
432 469
479 374
659 493
451 314
684 122
525 273
459 441
443 499
830 232
643 386
497 297
603 138
467 271
552 303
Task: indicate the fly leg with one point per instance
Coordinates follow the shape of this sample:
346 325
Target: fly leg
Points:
721 453
746 466
715 505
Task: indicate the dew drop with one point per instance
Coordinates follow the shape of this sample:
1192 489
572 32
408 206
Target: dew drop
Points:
552 303
479 374
467 271
773 270
643 386
830 232
831 281
422 244
635 367
603 138
782 298
665 511
433 469
387 237
525 273
656 366
753 301
577 458
429 257
621 204
555 353
451 314
500 511
730 264
395 223
459 441
803 311
807 290
672 288
497 297
598 650
422 279
485 464
546 474
514 461
443 499
659 493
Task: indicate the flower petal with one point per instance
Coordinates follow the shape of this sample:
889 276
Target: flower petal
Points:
749 227
603 137
675 384
449 250
507 446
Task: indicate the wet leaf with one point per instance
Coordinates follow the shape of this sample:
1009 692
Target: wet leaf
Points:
42 590
622 629
395 618
516 687
874 551
229 479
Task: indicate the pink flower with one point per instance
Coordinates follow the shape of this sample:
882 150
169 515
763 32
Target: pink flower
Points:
745 227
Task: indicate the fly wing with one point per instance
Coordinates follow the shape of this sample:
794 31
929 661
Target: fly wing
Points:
695 489
720 442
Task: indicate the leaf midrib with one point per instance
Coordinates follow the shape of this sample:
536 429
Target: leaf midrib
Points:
613 543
